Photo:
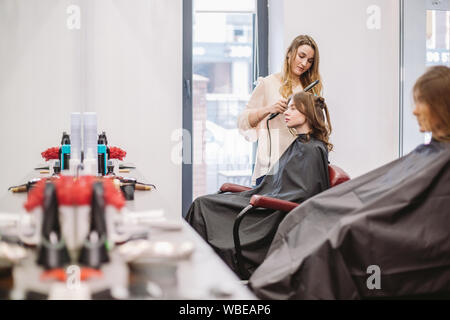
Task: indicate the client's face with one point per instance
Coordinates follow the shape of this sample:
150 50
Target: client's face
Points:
422 113
304 58
293 117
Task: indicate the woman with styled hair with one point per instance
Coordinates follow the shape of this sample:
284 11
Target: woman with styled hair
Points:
317 119
301 172
300 68
383 234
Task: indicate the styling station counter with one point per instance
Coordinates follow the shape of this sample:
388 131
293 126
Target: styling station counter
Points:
151 253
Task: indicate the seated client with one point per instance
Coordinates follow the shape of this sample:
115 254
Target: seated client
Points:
300 173
383 234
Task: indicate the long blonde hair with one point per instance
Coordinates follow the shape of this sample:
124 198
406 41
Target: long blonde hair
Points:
432 88
307 77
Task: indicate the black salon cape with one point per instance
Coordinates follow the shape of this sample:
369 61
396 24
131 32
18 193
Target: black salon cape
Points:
396 218
302 172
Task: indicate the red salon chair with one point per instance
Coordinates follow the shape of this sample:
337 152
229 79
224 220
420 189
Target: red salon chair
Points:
337 176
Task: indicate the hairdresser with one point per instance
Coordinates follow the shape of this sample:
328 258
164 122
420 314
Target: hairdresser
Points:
300 68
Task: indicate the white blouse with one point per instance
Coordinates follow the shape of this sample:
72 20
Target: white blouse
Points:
266 93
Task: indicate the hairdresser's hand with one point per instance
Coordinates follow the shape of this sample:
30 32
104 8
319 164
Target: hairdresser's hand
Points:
259 114
278 107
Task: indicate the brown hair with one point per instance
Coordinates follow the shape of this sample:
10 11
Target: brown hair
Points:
307 77
432 88
314 108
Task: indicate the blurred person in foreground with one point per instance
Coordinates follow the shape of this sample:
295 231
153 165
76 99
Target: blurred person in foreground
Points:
383 234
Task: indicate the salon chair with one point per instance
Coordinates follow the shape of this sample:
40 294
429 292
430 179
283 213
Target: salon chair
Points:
336 174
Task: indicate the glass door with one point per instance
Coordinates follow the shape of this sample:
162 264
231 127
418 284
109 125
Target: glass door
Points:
425 42
438 35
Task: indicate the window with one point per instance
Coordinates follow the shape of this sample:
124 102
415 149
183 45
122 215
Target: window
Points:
222 81
223 69
438 34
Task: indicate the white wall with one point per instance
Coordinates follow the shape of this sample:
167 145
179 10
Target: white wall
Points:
125 63
360 70
39 83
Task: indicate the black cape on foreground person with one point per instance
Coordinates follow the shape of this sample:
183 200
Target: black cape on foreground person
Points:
301 173
395 218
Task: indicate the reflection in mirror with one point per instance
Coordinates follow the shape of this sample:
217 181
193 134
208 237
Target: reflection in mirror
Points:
119 60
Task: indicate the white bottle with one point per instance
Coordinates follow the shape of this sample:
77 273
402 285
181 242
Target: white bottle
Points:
75 135
75 143
90 133
90 164
90 161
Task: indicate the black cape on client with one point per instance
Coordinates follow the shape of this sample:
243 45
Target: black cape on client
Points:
384 234
302 172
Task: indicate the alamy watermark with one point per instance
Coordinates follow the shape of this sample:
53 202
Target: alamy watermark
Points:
374 280
74 17
73 280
